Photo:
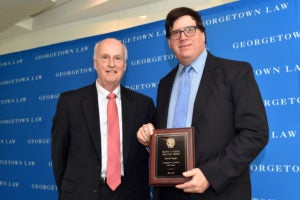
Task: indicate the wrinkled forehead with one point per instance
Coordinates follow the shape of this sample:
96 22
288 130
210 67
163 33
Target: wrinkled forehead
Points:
111 48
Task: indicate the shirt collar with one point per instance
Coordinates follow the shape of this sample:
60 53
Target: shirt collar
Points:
103 92
198 64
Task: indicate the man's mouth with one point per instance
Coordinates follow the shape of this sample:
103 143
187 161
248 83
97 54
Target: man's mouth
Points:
111 71
184 46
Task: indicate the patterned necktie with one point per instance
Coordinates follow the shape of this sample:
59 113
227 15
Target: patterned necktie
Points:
181 108
113 171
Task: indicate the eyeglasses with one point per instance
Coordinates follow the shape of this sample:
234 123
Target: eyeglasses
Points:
188 32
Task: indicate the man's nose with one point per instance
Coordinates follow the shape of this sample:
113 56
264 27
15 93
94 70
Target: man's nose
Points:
111 62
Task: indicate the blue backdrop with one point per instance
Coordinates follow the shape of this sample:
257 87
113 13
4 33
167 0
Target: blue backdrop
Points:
266 34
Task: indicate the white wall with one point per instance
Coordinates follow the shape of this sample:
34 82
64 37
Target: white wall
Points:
100 24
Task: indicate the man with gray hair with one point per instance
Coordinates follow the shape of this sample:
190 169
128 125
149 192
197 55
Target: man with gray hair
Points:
95 152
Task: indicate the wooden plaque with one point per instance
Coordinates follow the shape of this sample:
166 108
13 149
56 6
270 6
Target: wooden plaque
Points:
171 153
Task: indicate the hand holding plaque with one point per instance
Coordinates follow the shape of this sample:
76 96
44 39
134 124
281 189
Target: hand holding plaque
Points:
171 154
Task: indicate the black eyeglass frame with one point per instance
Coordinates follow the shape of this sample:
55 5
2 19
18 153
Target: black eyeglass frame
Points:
183 30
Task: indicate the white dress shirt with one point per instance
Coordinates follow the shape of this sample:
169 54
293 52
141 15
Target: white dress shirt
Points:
102 102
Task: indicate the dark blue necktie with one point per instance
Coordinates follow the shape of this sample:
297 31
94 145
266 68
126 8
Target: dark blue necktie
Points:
180 114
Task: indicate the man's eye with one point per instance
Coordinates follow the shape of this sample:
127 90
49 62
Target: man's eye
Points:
189 29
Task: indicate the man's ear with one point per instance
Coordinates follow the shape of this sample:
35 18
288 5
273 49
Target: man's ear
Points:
95 65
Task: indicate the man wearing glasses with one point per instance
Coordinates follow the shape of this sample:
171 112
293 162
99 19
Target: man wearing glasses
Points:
221 100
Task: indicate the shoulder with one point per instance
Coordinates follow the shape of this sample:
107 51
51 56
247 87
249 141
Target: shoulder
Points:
227 64
79 92
228 68
133 94
169 78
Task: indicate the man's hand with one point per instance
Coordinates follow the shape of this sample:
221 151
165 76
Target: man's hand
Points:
144 133
198 183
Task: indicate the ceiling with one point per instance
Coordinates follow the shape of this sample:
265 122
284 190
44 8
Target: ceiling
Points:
12 11
20 16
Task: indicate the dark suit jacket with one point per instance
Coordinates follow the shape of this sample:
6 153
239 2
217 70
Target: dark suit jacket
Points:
76 145
230 128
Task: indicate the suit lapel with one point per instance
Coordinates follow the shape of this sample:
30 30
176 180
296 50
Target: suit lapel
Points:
203 92
205 88
90 109
127 109
165 95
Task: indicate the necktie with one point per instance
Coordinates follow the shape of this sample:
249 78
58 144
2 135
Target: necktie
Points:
181 108
113 171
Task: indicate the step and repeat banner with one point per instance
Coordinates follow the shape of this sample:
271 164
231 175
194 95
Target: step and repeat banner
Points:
264 33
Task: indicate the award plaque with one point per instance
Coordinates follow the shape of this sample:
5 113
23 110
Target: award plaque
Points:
171 153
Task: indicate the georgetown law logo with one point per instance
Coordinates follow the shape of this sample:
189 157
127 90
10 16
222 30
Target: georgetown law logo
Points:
24 163
47 97
144 36
275 168
282 101
142 86
74 72
10 184
20 80
62 52
276 70
170 142
7 141
266 40
244 14
11 62
39 141
47 187
25 120
151 60
283 134
16 100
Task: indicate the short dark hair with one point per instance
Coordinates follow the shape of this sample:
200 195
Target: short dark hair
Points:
174 14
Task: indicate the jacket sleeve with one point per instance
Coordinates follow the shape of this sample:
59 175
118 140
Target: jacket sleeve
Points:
250 130
60 141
